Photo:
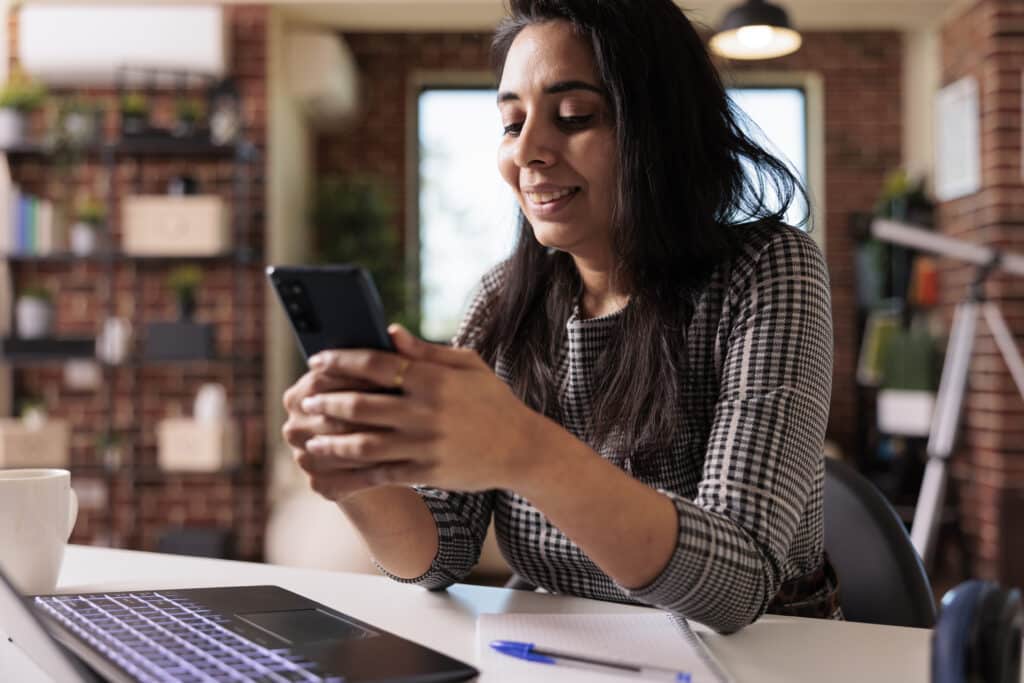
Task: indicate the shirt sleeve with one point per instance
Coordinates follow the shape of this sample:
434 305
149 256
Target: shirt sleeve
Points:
764 453
462 518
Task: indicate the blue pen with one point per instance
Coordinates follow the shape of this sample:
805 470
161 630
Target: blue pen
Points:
532 653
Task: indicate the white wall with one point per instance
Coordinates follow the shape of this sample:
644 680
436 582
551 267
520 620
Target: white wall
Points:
921 80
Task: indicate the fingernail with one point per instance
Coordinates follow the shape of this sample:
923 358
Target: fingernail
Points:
311 404
318 361
315 444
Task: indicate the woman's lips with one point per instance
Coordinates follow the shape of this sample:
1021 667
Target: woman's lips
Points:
546 202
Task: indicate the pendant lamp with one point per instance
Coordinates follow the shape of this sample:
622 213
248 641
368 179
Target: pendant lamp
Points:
757 29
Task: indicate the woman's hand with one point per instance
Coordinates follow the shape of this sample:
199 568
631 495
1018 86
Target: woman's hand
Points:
300 426
456 425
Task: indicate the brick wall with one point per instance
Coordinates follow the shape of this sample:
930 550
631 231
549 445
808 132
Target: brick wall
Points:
132 506
862 75
987 42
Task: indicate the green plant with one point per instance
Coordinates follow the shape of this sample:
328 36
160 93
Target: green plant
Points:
184 280
92 211
134 104
902 198
354 220
31 404
189 109
21 92
36 291
78 105
107 439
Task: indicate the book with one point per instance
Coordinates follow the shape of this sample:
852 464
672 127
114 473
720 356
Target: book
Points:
656 639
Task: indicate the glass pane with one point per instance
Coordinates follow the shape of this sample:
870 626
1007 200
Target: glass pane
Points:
781 114
467 212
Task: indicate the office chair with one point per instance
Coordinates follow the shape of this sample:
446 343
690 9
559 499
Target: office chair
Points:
881 578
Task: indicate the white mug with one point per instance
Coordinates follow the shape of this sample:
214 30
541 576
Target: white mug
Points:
38 509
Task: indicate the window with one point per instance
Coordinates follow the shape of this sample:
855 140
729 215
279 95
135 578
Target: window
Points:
467 215
781 116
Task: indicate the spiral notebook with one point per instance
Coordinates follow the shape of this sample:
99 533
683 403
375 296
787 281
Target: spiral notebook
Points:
655 639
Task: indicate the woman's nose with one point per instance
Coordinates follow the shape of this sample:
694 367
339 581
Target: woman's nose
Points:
534 146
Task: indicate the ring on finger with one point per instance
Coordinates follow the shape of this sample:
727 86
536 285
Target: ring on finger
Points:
399 380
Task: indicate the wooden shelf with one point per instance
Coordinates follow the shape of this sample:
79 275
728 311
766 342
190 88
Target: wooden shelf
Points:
237 255
167 147
59 351
19 351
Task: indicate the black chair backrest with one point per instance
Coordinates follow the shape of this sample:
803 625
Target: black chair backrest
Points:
881 578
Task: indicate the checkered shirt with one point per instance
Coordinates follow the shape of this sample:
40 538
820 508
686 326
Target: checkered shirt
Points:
744 468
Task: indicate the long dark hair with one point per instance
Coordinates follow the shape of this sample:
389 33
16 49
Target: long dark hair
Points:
682 189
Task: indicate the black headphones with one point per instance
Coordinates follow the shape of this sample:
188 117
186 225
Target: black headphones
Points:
978 635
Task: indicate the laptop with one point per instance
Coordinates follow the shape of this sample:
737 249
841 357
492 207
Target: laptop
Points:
246 633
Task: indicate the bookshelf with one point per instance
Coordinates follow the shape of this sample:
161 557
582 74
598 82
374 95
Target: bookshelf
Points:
136 393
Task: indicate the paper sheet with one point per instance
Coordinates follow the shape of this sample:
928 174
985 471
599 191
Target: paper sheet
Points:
655 639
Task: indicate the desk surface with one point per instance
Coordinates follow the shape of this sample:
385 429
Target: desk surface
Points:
779 649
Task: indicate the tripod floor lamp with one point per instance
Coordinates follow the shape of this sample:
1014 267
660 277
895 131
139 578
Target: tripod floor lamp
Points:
953 383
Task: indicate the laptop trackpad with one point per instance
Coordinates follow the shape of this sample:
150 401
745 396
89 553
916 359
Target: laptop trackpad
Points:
301 626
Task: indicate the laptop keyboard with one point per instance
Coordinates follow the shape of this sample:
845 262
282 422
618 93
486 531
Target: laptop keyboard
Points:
158 638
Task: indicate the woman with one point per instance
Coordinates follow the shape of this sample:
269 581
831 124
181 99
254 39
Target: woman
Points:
639 394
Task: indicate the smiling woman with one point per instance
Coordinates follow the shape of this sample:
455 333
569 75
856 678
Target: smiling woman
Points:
638 395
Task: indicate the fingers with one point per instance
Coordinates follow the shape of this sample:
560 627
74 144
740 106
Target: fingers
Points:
417 349
335 486
377 410
361 449
381 369
319 382
301 428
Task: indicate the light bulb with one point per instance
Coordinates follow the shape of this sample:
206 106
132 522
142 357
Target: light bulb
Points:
755 37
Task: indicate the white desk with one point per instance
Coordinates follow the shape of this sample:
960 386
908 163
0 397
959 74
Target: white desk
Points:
779 649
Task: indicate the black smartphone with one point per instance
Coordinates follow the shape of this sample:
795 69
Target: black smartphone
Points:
331 307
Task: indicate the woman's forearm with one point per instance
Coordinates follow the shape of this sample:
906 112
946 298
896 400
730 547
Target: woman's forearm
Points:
627 528
397 527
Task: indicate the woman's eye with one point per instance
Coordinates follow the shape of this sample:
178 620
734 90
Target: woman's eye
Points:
575 121
512 129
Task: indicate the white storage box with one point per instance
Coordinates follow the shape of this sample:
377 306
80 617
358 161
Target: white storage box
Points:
187 445
34 445
172 225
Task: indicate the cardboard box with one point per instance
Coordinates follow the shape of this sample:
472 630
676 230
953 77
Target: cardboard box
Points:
187 445
166 225
29 445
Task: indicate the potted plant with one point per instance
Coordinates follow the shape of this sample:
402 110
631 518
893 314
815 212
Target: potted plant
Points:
366 207
78 123
134 113
32 411
19 96
90 217
33 312
184 280
187 112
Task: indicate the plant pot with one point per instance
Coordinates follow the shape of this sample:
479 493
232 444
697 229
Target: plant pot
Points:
13 127
184 128
134 124
81 128
83 238
34 317
186 306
